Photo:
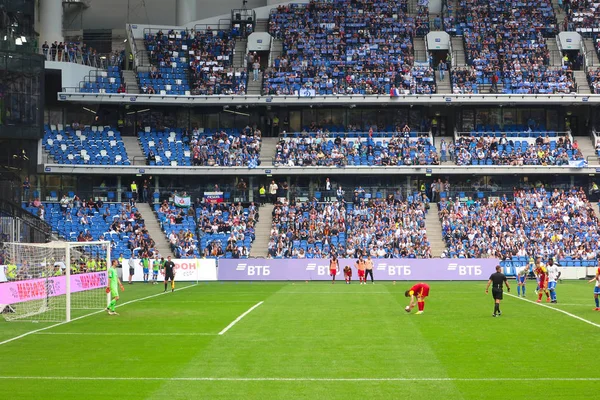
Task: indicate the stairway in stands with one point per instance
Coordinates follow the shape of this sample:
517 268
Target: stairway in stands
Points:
586 146
154 229
131 82
434 231
134 150
262 230
267 151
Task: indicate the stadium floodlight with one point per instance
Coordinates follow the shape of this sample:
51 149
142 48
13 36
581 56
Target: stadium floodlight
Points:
54 281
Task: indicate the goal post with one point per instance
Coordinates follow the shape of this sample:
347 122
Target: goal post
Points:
54 282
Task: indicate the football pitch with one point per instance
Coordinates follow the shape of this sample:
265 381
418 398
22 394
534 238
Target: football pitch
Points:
311 341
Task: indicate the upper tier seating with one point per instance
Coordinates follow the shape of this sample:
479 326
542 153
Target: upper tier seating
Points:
120 224
508 37
535 223
345 47
583 16
207 54
227 147
340 149
504 151
109 81
94 145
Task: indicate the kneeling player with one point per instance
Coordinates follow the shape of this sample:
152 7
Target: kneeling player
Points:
348 274
420 291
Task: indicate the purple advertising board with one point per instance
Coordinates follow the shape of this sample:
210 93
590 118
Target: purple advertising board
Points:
389 269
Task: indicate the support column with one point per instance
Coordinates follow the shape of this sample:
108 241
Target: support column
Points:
251 189
51 21
186 11
156 189
119 188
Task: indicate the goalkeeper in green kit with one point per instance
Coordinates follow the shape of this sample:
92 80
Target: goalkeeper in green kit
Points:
114 283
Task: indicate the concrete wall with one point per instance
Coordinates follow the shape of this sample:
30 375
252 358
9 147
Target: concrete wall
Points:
71 73
112 14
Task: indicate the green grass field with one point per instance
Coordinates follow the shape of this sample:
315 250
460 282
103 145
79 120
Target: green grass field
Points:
311 341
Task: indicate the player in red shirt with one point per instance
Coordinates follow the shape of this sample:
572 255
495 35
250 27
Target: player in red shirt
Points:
541 272
334 267
348 274
420 291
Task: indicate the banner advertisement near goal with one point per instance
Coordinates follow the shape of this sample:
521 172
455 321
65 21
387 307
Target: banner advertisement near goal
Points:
186 270
449 269
39 289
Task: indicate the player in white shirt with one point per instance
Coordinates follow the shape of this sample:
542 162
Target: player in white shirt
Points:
522 273
553 276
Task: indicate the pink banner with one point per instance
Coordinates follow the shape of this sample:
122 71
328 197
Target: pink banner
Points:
36 289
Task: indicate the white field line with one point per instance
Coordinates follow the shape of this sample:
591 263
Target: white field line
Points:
235 321
128 333
86 315
300 379
556 309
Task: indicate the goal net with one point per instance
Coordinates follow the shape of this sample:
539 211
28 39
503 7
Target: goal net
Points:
53 281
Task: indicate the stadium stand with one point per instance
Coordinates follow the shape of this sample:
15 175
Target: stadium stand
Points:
495 41
354 148
109 81
558 224
583 16
206 55
367 51
593 76
228 147
515 145
377 227
179 225
79 220
93 145
227 229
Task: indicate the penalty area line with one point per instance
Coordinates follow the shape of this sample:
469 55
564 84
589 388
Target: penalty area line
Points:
235 321
85 316
556 309
307 379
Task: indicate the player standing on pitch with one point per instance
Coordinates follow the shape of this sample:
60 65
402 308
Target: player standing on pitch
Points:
497 278
369 269
596 287
553 276
114 283
169 273
542 274
360 266
420 291
334 268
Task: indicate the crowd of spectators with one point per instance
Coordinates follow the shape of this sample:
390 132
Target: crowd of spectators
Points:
219 148
509 36
464 80
180 226
227 229
84 220
535 223
222 149
503 151
341 47
381 228
206 53
582 15
320 148
594 79
80 53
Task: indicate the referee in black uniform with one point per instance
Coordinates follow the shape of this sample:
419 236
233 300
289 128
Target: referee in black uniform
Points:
169 273
497 279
